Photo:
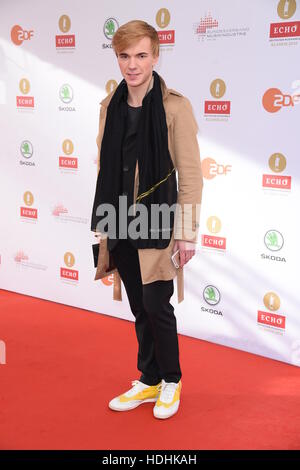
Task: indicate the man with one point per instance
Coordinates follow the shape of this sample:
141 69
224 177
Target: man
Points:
146 133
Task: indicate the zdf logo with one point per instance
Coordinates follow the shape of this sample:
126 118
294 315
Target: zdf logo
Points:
210 168
273 100
18 35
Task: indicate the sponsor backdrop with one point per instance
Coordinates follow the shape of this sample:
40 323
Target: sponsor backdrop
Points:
238 63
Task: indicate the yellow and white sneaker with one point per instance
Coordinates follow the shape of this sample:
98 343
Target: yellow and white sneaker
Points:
138 394
168 400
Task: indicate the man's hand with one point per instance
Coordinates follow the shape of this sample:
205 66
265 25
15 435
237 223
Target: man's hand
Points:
186 251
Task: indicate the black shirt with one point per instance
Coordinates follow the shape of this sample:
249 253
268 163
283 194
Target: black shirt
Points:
128 165
129 153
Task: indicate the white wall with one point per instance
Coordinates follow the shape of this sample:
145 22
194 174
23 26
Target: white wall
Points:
237 50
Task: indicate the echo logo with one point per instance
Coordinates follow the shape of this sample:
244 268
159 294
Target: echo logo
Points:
212 241
277 163
18 35
217 90
25 101
286 8
68 162
271 319
28 212
67 273
162 20
64 41
110 86
287 29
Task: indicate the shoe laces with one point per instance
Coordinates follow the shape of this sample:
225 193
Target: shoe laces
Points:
137 386
167 390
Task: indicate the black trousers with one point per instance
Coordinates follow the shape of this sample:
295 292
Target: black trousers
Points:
155 322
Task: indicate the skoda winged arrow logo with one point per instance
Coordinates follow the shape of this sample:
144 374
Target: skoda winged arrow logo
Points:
273 240
26 149
66 93
211 295
110 27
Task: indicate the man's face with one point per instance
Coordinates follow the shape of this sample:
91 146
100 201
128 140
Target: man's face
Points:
136 62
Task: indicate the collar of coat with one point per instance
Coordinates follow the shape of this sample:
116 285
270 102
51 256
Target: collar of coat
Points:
165 92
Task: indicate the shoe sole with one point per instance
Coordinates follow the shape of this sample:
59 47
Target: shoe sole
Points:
165 417
148 400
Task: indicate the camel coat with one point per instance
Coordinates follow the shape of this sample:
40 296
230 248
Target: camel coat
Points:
156 264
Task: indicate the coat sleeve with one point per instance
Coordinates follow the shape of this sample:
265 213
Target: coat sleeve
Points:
102 115
190 178
100 135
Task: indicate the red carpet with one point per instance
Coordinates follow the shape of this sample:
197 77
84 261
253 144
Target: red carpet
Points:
64 364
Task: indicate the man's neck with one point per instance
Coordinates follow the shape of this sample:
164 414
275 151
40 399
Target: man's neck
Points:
136 94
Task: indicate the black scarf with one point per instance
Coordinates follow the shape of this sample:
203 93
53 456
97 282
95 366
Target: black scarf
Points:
157 176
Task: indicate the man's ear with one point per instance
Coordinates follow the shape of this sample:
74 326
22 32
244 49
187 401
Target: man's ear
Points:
156 60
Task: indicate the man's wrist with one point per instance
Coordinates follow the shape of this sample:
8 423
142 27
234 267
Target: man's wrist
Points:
187 244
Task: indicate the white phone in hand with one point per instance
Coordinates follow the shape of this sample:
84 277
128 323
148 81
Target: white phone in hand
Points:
175 259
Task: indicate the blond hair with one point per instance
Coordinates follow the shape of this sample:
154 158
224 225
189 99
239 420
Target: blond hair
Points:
131 32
